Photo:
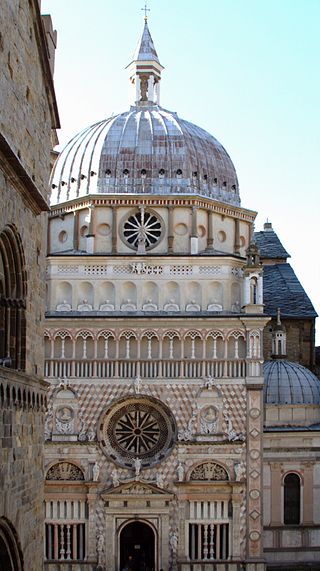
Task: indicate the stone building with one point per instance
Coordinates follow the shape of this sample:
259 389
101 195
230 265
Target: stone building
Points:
155 319
27 122
283 290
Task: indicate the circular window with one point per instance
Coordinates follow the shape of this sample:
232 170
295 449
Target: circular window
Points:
201 231
83 231
63 236
222 236
181 229
143 228
104 229
140 427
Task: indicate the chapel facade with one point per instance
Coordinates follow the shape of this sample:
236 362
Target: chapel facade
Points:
155 321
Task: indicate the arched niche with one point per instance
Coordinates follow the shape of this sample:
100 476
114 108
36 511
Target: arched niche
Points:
192 294
128 294
85 296
150 294
63 295
235 296
105 295
171 294
215 296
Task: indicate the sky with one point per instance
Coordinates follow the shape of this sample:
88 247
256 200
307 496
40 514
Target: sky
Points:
247 71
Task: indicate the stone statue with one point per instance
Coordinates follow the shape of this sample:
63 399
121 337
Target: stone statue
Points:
100 551
115 478
237 471
173 540
180 472
160 480
84 306
91 434
232 435
48 423
137 384
65 306
95 472
137 467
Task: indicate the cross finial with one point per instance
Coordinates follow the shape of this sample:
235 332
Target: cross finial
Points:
145 9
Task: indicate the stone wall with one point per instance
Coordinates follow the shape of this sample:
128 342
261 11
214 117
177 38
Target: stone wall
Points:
28 108
27 115
22 405
300 341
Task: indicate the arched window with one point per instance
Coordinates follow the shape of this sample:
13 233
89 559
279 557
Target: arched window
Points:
291 511
12 300
253 290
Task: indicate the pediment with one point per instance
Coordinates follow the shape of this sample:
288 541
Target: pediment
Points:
135 488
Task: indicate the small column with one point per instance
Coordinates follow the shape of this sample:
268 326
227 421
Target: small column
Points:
236 237
276 496
170 230
76 230
209 247
308 506
114 230
194 235
90 235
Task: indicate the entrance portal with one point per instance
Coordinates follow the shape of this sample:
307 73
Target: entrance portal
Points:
137 547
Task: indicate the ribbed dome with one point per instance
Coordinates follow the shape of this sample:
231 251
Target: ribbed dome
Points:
146 150
290 383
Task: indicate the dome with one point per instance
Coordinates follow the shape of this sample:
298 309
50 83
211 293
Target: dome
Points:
289 383
146 150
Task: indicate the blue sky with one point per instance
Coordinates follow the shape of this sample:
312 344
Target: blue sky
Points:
247 71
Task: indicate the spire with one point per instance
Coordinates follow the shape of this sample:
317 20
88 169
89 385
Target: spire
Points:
145 50
145 70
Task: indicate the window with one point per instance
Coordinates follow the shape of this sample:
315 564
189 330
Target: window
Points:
65 530
209 530
208 541
12 300
291 499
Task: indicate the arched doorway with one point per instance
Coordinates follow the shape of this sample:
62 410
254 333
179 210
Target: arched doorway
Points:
137 547
10 556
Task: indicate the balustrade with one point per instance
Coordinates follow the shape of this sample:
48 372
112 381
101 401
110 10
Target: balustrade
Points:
149 368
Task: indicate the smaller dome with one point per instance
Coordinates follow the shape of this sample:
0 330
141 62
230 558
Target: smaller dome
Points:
290 383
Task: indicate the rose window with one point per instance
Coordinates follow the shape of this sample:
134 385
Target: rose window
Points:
142 228
140 427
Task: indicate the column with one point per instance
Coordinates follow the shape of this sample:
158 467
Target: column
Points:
236 237
90 235
276 496
170 230
76 230
209 247
114 230
307 498
194 234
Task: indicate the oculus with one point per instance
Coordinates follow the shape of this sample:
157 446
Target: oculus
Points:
142 229
137 428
